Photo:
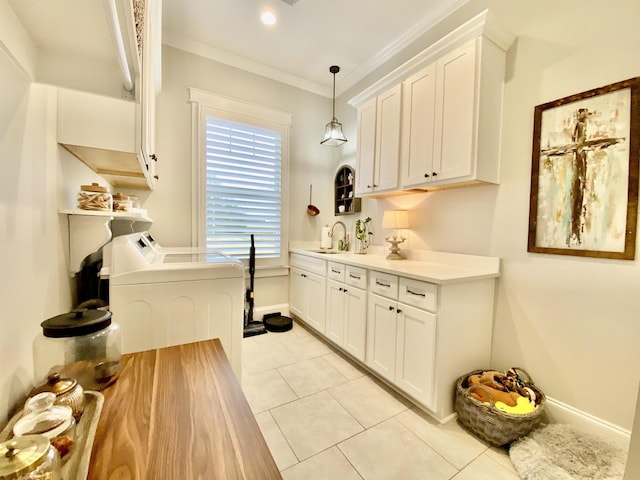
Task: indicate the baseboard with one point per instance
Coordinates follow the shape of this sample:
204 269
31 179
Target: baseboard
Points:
260 312
558 412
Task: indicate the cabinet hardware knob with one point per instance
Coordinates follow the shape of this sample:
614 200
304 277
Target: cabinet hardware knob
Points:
435 174
153 157
340 289
156 177
426 175
398 310
390 308
345 290
368 186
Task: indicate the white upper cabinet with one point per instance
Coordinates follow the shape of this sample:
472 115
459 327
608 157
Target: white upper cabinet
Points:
114 136
150 84
450 116
379 143
419 113
452 119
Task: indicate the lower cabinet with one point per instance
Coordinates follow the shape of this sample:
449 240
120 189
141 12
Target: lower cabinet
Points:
401 342
346 317
415 353
382 325
417 336
308 294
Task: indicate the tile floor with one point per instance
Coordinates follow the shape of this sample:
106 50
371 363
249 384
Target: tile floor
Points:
323 417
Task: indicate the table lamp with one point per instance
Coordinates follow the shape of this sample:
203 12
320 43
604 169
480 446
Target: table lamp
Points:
395 219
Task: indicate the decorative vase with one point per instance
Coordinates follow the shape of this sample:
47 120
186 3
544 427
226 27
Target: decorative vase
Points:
361 246
362 235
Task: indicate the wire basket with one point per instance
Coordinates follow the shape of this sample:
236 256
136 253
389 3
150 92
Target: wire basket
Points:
488 422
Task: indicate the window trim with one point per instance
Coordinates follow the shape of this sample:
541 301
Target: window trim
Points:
205 103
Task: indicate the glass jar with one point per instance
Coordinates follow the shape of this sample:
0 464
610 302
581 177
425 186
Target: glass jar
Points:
42 417
30 457
94 197
121 203
82 345
65 391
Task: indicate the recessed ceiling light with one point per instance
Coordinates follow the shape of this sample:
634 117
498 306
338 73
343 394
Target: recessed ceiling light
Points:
268 18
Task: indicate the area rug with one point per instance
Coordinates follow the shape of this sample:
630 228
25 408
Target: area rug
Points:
561 452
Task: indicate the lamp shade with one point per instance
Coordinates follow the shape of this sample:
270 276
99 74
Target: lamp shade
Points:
395 219
333 135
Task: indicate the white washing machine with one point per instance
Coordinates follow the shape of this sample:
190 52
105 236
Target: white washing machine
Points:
164 298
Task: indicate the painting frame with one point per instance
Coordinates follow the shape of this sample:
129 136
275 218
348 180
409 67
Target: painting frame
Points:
562 207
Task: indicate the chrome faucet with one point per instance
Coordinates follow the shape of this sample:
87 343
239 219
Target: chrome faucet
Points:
345 238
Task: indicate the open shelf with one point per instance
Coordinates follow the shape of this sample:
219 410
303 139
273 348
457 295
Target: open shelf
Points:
344 192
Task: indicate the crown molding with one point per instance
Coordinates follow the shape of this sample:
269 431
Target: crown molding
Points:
484 24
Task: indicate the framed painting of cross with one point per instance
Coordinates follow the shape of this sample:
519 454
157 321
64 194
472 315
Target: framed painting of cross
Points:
584 173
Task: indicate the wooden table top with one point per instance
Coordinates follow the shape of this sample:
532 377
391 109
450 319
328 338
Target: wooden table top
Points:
179 413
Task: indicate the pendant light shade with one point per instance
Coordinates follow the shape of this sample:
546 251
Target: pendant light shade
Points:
333 135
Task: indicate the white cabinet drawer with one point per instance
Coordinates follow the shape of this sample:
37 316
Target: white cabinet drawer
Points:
310 264
418 294
384 284
356 276
335 271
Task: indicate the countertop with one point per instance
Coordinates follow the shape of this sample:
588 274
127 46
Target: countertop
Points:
429 266
179 413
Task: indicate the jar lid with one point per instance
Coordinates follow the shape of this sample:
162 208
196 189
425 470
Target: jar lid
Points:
94 187
56 384
45 422
22 455
120 196
76 323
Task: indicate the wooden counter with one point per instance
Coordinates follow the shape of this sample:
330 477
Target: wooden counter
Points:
179 413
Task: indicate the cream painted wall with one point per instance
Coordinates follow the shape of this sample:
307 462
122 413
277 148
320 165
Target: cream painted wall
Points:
33 284
572 322
35 179
310 163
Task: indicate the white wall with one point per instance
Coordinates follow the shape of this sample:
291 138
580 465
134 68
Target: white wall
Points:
310 163
33 282
572 322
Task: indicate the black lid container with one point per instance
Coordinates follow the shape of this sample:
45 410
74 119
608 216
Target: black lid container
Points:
81 344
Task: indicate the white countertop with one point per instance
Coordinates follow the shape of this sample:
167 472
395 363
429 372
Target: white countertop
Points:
434 267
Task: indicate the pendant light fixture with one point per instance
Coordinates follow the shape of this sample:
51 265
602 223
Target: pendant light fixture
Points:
333 135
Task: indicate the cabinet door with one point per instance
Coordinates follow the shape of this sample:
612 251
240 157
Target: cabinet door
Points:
315 298
356 322
418 126
296 292
381 336
455 109
387 154
366 147
150 85
415 360
335 323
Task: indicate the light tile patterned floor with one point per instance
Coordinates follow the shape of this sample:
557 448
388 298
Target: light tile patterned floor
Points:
324 417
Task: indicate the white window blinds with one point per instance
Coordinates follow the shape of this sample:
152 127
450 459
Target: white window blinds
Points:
243 188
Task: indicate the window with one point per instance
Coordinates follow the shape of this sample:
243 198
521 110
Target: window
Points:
240 176
243 188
